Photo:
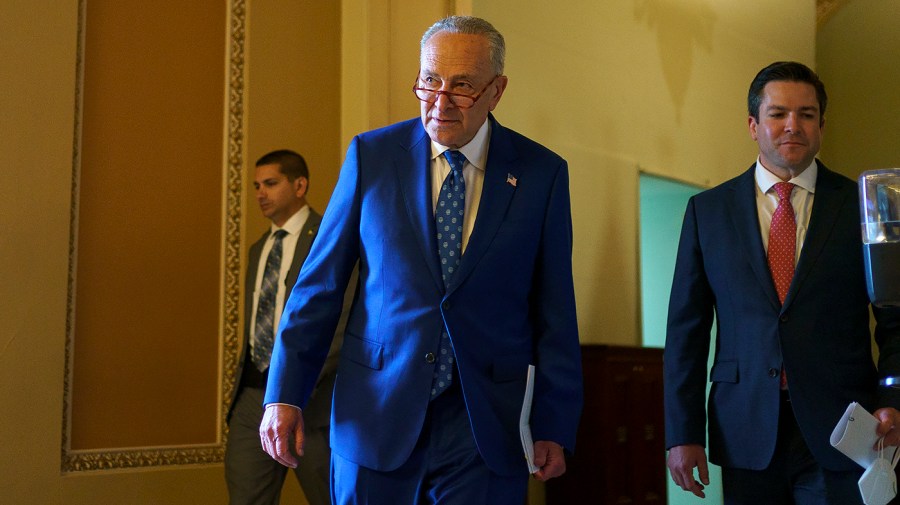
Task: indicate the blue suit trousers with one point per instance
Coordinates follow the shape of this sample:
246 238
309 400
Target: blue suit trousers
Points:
443 469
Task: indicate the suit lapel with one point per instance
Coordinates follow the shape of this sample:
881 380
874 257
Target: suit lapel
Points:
413 172
412 167
304 242
742 206
827 202
249 287
496 194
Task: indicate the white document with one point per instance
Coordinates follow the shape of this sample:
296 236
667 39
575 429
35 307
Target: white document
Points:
525 420
854 435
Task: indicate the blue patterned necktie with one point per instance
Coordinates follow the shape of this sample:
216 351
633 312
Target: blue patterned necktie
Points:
448 217
264 331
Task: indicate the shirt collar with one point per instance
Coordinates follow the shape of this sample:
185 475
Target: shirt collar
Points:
806 180
475 151
294 223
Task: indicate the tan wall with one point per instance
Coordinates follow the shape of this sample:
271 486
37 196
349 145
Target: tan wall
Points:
149 240
379 60
622 87
37 100
858 61
293 87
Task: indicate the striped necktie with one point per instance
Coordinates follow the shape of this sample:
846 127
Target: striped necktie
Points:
264 331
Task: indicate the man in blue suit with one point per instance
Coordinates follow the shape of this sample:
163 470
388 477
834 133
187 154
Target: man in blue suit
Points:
433 368
774 256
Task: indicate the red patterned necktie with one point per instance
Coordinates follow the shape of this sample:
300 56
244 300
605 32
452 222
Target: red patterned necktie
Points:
783 247
783 240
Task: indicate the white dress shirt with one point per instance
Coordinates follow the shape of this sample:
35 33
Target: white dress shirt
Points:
476 152
293 226
801 201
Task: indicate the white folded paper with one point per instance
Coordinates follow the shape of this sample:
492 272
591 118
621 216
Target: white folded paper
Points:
525 420
854 435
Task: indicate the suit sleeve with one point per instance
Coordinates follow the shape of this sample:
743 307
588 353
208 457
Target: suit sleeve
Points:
691 307
314 307
558 395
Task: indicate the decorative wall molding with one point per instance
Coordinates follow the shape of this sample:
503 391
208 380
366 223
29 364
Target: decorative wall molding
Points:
110 459
83 461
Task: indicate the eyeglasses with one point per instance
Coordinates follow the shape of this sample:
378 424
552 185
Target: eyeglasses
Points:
460 100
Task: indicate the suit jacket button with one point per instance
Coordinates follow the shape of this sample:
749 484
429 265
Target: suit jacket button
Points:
429 358
773 373
445 305
784 318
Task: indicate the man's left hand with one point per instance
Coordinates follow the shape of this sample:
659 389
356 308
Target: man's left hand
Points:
889 425
550 459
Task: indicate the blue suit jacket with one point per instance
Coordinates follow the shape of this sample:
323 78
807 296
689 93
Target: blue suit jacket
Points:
510 303
821 334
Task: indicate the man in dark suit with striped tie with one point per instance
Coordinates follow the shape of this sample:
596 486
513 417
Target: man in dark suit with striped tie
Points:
281 182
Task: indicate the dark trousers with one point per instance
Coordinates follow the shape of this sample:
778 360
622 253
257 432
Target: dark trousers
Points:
253 477
443 469
793 476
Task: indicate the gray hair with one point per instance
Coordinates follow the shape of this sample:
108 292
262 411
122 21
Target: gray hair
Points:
471 25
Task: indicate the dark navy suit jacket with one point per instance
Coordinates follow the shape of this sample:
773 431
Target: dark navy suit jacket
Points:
511 302
821 335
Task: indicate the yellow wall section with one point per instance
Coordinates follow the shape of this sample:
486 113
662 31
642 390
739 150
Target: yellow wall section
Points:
857 60
292 95
622 87
149 240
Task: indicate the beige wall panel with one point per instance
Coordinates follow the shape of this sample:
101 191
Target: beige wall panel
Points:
409 20
146 339
162 486
379 60
37 102
858 61
621 86
293 94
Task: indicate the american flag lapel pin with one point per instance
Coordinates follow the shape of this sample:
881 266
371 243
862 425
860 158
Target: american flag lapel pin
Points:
511 180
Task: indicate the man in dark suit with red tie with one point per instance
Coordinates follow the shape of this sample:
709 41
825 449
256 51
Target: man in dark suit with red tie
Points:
774 257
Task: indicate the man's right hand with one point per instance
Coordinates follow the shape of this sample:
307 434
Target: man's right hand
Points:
279 424
681 462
